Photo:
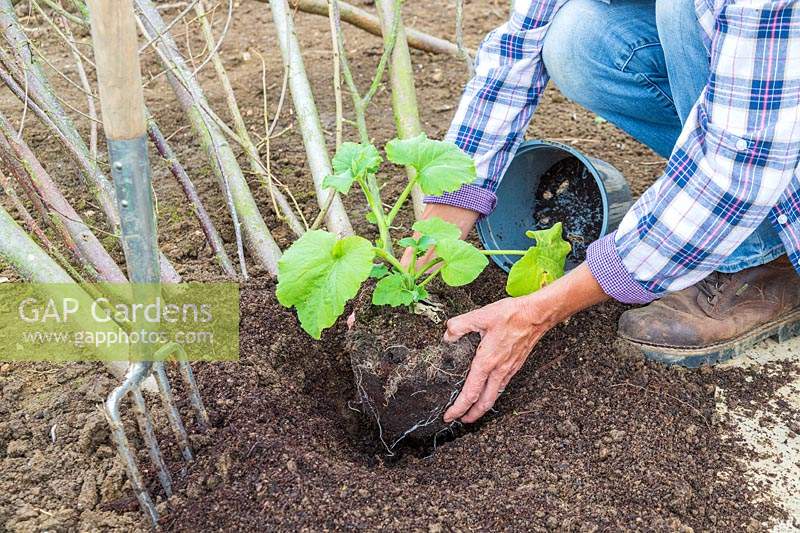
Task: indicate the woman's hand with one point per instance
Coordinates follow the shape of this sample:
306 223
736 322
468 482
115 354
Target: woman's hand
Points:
509 329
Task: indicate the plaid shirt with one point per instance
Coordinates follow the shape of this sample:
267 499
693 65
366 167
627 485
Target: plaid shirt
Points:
733 165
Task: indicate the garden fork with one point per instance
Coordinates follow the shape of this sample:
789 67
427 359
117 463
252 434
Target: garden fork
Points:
114 37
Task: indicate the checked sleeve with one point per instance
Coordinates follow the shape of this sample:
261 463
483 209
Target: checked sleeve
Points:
733 164
499 101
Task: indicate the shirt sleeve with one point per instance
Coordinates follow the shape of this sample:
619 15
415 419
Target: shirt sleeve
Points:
499 101
737 154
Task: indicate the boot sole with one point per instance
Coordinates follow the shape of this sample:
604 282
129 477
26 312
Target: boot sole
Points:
782 330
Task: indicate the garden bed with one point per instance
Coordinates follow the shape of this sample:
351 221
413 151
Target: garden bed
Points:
583 439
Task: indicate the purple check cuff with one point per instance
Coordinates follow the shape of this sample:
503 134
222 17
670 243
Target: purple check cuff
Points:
607 268
467 197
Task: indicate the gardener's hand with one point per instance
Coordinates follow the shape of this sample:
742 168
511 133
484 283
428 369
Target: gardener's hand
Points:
463 218
509 329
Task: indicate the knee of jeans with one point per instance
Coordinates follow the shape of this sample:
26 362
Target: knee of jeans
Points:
573 50
673 15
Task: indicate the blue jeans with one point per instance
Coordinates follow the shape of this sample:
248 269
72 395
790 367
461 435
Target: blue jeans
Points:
641 64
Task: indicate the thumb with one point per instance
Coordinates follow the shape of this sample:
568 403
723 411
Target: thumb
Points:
459 326
408 257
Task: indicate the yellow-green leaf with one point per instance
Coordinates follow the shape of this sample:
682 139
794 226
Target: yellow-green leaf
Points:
441 166
542 264
319 273
462 262
437 229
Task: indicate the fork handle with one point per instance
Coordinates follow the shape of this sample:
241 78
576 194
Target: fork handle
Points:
119 74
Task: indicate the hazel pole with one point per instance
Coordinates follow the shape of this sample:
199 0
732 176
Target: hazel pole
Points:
305 108
404 94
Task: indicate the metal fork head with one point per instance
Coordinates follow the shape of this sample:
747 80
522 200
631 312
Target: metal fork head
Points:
137 373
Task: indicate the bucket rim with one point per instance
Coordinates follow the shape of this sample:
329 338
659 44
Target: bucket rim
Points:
485 233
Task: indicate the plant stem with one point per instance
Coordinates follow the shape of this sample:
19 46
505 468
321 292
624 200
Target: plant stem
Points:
373 195
389 258
427 266
402 198
429 278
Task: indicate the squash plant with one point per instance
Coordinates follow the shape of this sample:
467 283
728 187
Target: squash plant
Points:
321 272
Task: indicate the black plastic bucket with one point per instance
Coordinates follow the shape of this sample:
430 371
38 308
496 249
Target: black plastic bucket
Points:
505 228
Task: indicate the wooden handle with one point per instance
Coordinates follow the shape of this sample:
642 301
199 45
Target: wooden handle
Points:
119 75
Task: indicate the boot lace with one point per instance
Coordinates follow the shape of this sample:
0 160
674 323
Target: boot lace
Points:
713 285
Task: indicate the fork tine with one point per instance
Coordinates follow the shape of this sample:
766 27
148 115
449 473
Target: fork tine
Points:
172 411
149 435
194 393
137 372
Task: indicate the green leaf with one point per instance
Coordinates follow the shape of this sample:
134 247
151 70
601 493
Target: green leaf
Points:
393 290
341 182
319 273
542 264
352 162
437 229
360 159
441 166
405 242
425 242
371 218
419 293
420 245
379 271
462 262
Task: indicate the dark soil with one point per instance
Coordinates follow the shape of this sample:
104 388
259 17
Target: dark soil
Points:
584 439
568 194
405 375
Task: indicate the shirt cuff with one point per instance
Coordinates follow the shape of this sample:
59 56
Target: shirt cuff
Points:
467 197
607 268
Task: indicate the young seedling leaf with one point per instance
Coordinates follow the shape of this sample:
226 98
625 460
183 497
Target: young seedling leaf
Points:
379 271
419 245
393 290
437 229
462 262
543 263
441 166
319 273
341 182
424 243
419 293
352 162
406 242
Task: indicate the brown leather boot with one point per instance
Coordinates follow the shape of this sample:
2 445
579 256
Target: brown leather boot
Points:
719 317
